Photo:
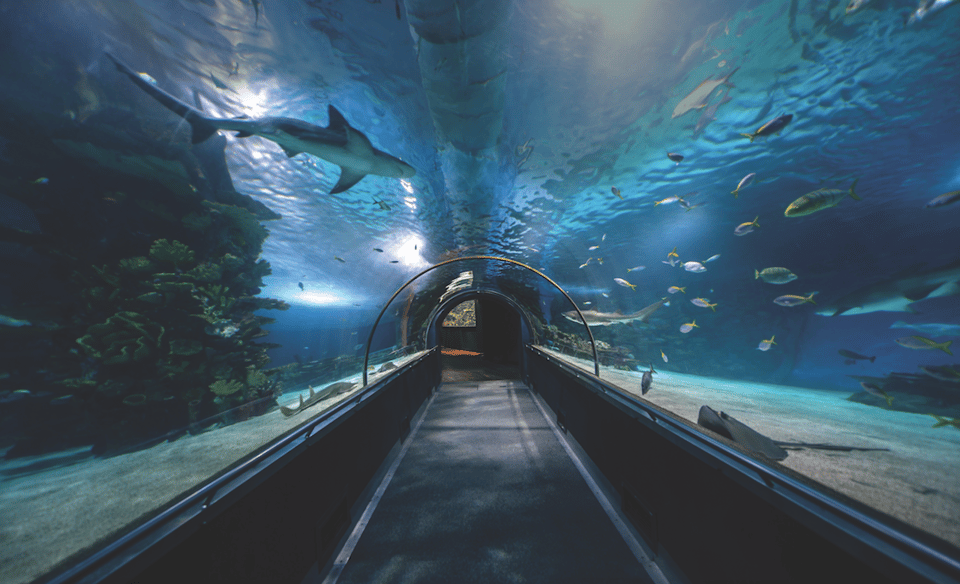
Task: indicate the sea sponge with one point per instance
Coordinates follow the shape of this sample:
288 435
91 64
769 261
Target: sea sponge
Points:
172 252
223 387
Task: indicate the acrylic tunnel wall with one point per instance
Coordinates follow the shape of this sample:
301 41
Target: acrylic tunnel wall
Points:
205 207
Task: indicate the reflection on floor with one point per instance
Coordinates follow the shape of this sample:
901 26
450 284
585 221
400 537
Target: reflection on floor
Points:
486 493
459 365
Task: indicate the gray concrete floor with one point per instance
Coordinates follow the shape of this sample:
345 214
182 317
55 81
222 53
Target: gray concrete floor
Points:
486 493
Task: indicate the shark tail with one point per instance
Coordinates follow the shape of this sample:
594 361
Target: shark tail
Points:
872 359
201 126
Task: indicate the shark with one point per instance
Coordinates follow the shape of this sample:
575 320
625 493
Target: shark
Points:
339 143
898 293
596 318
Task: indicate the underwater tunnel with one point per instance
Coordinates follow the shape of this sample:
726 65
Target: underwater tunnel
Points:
332 291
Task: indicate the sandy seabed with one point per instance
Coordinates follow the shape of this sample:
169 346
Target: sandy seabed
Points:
49 515
916 481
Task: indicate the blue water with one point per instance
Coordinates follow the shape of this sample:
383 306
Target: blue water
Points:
518 136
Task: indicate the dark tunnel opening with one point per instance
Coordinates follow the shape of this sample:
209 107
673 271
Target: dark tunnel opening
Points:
484 345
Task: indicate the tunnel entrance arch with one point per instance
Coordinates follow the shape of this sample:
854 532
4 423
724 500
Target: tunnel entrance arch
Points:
501 330
373 329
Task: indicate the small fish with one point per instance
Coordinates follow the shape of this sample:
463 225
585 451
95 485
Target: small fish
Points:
855 5
147 77
819 200
646 380
616 191
13 322
586 263
774 126
745 228
672 262
765 345
394 261
64 399
688 207
712 258
668 200
383 205
396 6
257 6
675 289
704 303
942 372
600 261
794 300
636 269
40 181
300 284
216 82
744 183
605 295
673 254
874 389
927 7
775 275
624 283
377 249
340 259
917 342
695 267
588 303
931 328
944 200
593 248
604 238
687 327
941 422
678 158
664 357
855 356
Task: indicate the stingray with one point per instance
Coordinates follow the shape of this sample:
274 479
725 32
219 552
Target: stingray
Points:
755 442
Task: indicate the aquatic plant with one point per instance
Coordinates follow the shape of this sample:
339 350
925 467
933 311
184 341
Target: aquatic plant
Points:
172 252
137 266
222 387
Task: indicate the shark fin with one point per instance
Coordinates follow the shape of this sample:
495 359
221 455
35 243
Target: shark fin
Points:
348 178
337 121
920 292
289 151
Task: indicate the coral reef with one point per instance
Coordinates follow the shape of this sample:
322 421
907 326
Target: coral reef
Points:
146 299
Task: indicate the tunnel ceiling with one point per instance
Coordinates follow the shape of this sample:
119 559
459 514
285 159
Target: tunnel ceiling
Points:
539 131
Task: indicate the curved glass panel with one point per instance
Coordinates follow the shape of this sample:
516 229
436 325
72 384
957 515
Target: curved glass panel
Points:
205 205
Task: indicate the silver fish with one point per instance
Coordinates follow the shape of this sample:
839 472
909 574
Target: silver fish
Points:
744 183
695 267
944 200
